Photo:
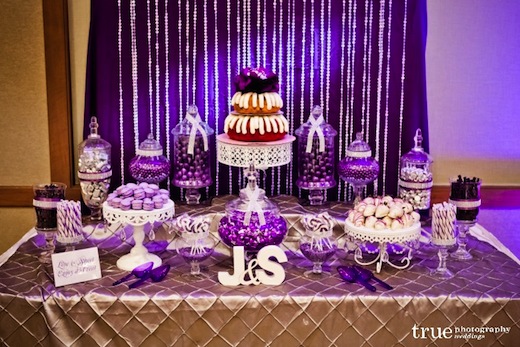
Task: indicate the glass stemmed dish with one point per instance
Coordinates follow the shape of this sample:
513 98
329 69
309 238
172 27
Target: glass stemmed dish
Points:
317 243
465 195
443 236
195 244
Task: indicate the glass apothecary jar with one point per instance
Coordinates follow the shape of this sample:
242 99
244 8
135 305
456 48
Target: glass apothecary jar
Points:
415 176
94 170
150 165
191 155
252 220
316 156
358 168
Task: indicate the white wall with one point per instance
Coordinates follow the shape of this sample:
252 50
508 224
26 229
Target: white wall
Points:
473 80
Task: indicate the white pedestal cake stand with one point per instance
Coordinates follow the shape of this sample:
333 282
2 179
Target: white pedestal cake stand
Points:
137 219
262 155
383 237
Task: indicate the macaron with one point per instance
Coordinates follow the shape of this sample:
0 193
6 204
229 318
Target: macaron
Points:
149 192
116 202
139 193
131 185
164 191
143 185
126 192
125 205
137 204
148 204
158 204
165 198
153 186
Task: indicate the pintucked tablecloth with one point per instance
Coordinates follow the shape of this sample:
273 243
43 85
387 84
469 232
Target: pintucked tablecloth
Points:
485 293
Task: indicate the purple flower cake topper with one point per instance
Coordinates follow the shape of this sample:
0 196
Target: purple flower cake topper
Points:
256 80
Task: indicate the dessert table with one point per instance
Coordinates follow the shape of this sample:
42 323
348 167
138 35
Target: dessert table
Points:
484 294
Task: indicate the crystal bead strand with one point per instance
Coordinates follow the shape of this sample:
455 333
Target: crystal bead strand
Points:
341 133
121 114
150 79
322 52
179 36
167 81
312 48
403 64
157 77
258 48
194 66
187 50
134 74
264 36
327 68
244 35
216 88
279 70
206 67
230 171
369 69
273 60
291 86
365 72
387 84
379 81
302 82
349 76
248 36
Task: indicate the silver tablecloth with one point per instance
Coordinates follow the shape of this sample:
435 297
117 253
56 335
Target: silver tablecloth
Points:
484 294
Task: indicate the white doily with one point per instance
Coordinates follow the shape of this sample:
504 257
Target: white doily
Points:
138 217
262 154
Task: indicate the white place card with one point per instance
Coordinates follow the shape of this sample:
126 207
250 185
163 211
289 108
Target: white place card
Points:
76 266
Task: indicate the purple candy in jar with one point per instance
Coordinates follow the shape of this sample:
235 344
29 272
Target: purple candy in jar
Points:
254 236
150 165
191 170
316 152
358 167
200 255
191 155
316 254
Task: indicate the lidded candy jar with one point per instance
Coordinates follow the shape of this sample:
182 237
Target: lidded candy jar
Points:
316 156
415 176
94 170
252 220
150 165
191 156
358 168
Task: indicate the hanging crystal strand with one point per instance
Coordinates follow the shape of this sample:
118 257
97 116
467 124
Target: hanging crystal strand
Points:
150 79
179 26
258 48
216 89
248 36
327 68
244 37
322 53
380 45
369 69
403 64
303 82
206 66
167 82
228 24
349 97
120 81
341 133
312 48
387 84
187 29
264 36
277 49
365 72
288 107
290 52
194 66
157 78
134 75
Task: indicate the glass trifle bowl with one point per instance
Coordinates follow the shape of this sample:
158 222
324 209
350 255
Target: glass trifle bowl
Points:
191 155
316 156
358 168
252 220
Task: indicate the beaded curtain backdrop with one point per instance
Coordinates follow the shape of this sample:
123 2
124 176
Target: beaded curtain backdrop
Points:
363 61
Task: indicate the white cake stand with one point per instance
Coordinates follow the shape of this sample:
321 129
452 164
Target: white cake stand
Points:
137 219
262 155
383 237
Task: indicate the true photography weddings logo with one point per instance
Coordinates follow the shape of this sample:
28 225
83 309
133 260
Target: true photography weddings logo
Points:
456 332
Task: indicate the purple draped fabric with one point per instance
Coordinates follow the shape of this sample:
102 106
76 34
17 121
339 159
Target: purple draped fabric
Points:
362 94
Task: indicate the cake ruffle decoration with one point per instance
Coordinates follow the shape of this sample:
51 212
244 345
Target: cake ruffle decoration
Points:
194 118
316 119
256 80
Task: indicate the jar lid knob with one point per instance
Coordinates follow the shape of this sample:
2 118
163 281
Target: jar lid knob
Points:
418 138
93 127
